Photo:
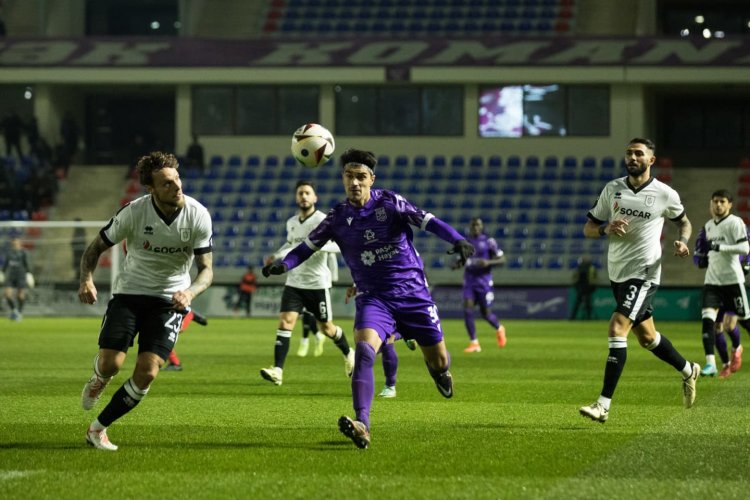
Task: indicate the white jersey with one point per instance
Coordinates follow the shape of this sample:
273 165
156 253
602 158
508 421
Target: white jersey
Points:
724 268
637 255
160 250
314 273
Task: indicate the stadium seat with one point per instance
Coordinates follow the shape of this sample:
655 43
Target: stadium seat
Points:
216 161
495 161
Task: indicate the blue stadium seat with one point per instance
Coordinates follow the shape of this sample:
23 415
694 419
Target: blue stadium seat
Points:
608 162
494 161
231 231
234 161
458 161
562 218
540 233
542 218
588 163
515 262
438 161
514 161
216 161
501 233
504 218
563 204
536 263
555 262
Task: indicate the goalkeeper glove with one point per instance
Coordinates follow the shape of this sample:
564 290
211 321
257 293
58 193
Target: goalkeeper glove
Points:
714 245
463 249
275 267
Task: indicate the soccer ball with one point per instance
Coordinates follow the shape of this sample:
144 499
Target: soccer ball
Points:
312 145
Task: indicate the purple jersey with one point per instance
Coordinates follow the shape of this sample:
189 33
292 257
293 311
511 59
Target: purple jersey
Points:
376 243
485 248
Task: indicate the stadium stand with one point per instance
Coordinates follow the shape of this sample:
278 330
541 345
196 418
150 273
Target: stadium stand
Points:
427 18
533 215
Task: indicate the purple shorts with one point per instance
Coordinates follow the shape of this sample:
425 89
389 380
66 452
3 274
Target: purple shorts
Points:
481 294
414 317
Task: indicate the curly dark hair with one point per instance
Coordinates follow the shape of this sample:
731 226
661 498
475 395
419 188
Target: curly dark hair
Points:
152 162
359 156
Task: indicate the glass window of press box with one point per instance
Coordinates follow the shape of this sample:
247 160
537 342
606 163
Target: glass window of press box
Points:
253 109
409 110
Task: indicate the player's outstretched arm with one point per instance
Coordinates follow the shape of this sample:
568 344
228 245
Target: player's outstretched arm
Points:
86 289
295 257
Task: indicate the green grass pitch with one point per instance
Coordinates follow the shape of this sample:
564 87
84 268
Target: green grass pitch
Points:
512 430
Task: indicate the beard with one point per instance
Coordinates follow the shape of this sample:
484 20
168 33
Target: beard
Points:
636 170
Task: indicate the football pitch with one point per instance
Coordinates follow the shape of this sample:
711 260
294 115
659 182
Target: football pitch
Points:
512 429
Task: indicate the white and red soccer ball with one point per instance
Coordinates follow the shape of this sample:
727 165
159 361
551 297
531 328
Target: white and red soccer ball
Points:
312 145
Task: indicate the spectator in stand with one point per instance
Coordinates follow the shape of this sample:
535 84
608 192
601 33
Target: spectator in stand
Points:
246 289
12 127
32 135
69 132
195 156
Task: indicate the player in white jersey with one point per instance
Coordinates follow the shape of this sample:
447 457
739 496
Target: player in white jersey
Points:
164 232
630 213
307 286
724 285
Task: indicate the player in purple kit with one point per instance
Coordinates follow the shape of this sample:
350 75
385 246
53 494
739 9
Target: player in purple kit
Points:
478 286
373 230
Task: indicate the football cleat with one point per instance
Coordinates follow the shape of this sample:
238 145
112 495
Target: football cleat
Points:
304 345
726 371
349 363
389 391
411 344
356 431
595 411
272 374
500 336
736 363
473 347
92 391
444 384
172 368
99 440
688 386
319 344
708 370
